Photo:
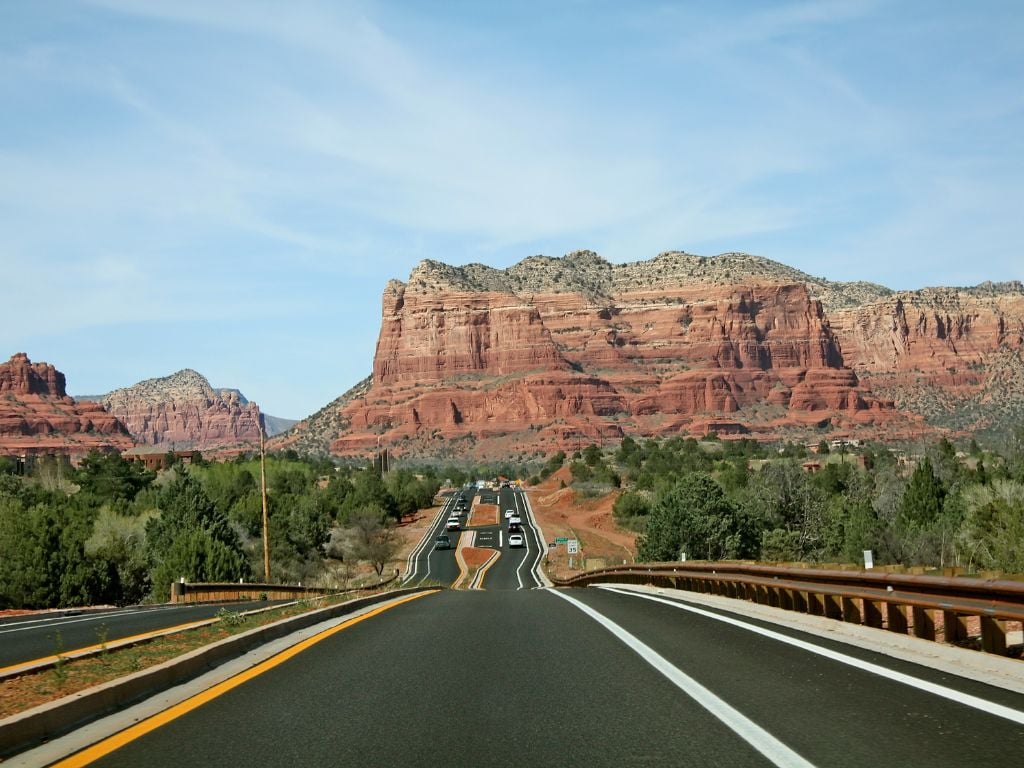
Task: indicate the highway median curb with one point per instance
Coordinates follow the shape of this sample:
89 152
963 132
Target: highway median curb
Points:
27 729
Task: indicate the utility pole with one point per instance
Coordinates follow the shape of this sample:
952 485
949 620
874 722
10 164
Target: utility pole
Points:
266 517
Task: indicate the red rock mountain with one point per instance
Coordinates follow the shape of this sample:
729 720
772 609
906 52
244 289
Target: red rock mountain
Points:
183 410
38 417
552 351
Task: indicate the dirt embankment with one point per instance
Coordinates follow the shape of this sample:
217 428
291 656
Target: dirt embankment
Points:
564 513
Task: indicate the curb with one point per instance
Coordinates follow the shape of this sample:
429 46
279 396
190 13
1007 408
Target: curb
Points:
27 729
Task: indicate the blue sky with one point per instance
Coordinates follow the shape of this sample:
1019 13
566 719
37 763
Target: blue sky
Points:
228 186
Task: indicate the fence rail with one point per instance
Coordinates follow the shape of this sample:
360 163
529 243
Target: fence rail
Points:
965 611
184 592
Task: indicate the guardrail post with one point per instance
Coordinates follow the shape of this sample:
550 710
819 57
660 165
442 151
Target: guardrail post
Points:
786 599
993 635
873 614
954 627
815 604
896 618
851 610
924 623
800 601
833 607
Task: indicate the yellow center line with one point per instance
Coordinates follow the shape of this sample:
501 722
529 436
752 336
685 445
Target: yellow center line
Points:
118 740
121 641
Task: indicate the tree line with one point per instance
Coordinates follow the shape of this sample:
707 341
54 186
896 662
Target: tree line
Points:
933 506
110 531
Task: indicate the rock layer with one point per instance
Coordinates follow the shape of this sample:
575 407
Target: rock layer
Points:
551 352
38 417
183 410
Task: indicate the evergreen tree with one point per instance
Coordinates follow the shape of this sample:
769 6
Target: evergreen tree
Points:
191 538
922 501
694 517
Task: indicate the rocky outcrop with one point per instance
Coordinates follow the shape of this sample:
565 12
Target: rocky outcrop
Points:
183 410
38 417
553 351
474 360
952 355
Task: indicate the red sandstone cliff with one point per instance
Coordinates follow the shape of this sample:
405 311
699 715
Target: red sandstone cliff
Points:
477 361
184 410
38 417
552 351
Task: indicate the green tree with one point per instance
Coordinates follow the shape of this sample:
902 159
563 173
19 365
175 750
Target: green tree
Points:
105 477
694 517
922 501
191 538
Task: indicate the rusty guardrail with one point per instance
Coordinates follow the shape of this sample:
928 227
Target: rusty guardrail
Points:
960 610
184 592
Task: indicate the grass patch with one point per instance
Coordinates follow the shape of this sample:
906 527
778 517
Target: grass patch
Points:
68 676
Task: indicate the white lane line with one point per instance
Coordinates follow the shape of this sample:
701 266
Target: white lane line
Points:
756 736
538 534
519 571
499 539
412 565
889 674
46 623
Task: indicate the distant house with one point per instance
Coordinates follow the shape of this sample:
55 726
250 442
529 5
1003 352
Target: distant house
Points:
155 460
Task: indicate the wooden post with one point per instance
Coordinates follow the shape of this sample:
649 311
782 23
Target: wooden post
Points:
851 610
266 516
872 614
993 635
924 623
954 627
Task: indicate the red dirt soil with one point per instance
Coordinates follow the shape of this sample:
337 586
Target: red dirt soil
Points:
476 556
561 512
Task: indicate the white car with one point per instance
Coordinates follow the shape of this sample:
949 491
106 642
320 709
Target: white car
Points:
509 513
515 520
516 540
453 524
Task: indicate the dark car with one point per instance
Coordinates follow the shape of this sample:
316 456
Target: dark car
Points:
443 542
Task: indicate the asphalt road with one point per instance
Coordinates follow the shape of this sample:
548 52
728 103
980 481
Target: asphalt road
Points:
527 677
514 568
28 637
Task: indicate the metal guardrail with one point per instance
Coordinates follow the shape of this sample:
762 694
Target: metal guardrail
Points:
929 607
205 592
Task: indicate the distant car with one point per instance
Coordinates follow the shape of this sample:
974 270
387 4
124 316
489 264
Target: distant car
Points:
443 541
516 540
453 524
515 520
509 513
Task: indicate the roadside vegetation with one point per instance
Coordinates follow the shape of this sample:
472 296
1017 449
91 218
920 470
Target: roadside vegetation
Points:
937 505
111 532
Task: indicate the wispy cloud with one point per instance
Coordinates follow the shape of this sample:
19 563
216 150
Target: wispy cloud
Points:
225 162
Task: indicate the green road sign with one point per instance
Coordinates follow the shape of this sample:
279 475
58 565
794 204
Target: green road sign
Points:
561 539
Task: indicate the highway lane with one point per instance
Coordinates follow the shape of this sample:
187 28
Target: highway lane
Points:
29 637
438 566
526 677
514 568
